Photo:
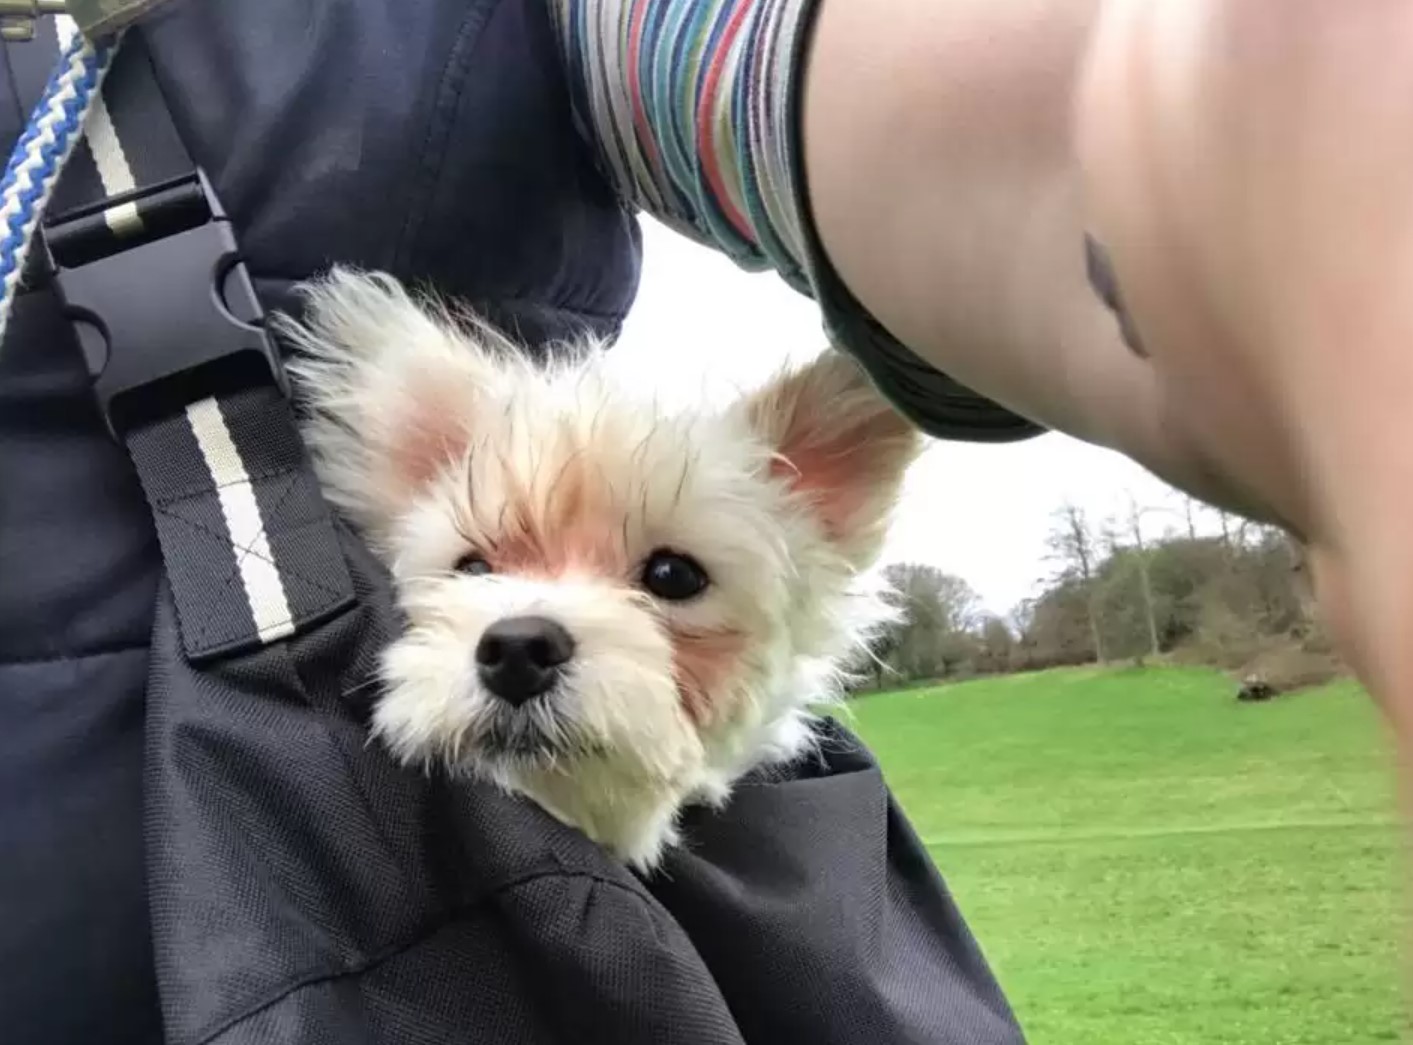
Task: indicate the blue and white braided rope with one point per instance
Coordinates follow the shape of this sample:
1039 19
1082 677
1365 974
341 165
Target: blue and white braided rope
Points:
54 128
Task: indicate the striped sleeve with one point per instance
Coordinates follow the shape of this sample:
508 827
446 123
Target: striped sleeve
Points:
693 109
689 105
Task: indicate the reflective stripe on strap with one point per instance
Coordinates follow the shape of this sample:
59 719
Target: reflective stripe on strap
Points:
130 146
246 536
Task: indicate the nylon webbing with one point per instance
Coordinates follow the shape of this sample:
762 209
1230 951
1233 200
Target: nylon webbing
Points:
129 143
246 537
248 543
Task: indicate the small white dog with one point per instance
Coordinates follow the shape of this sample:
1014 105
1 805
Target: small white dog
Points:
612 609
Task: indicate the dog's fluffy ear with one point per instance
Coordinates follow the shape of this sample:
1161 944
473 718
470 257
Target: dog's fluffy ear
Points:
389 388
839 445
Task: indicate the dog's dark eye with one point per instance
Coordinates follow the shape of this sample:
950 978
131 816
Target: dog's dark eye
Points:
674 576
474 564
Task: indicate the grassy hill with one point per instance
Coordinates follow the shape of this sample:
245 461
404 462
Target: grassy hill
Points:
1145 861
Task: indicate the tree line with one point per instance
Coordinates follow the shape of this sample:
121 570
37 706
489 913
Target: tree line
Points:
1234 595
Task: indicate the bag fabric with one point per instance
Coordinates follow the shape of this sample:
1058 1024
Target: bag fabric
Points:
306 890
201 844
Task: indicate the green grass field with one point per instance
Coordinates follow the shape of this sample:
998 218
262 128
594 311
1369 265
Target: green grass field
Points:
1145 861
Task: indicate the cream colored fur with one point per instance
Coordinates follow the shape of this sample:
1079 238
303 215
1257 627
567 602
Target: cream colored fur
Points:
438 439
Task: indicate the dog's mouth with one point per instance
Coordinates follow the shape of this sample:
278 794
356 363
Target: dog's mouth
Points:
524 733
535 734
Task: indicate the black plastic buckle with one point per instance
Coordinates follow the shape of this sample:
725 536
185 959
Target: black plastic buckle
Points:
161 301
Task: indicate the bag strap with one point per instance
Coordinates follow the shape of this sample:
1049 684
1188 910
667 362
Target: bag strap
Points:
147 265
130 148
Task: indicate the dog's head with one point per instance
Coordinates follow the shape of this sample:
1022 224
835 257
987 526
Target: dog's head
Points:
612 608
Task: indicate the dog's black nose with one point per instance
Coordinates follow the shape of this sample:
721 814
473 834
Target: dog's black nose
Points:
519 658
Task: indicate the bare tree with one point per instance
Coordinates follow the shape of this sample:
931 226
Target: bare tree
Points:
1145 581
1301 582
1190 508
1022 617
940 613
1071 544
1235 598
997 644
1225 518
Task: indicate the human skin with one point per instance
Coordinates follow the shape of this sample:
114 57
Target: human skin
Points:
1247 164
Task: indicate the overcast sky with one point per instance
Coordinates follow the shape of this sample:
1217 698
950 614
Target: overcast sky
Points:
980 512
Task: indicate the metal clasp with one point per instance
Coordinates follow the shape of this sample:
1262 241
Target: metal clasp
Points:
17 17
166 313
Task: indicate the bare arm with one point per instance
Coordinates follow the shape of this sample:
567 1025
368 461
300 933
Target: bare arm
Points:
1249 163
944 184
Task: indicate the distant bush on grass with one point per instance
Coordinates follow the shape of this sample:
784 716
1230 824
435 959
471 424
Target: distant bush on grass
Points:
1285 663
